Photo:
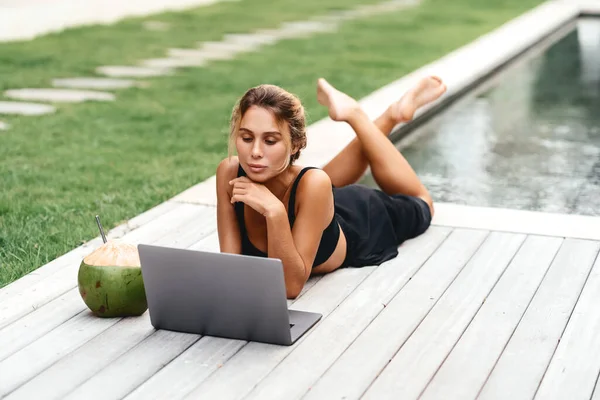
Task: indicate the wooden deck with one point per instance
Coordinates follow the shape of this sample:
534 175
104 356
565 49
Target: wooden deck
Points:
459 314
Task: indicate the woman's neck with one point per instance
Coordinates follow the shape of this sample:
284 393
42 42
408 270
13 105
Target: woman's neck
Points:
281 184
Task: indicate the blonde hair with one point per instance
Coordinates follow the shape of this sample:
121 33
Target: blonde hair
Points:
285 107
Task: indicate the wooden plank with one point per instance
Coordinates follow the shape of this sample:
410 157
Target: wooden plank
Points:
186 372
575 365
21 366
24 371
464 372
78 366
55 265
352 373
253 362
58 380
178 369
34 325
596 395
38 294
134 367
522 364
152 214
199 226
183 216
307 362
411 368
209 243
312 281
57 284
340 283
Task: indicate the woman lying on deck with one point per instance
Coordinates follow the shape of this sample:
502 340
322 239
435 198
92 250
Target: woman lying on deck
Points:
317 220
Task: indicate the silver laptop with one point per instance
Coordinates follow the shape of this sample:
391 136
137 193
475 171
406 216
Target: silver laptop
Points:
219 294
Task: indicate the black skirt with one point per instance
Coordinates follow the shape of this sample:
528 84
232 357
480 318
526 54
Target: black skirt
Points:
376 223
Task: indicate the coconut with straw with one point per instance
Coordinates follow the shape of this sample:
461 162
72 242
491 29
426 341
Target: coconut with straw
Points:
110 279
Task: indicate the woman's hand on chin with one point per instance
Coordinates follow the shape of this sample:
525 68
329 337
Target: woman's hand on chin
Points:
255 195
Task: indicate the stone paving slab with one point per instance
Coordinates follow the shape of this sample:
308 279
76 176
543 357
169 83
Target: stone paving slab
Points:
94 83
186 53
302 29
230 47
58 95
156 26
19 108
173 62
202 54
202 193
249 39
124 71
233 44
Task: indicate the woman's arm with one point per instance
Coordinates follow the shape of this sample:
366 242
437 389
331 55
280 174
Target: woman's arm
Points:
297 249
227 224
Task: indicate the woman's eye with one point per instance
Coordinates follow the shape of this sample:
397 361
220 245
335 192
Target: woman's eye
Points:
270 142
247 139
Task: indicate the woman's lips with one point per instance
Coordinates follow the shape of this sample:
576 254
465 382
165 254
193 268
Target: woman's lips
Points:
256 167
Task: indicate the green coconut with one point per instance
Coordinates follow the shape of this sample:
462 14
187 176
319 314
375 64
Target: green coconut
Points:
110 281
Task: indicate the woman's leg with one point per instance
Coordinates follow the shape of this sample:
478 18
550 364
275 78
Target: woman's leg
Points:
351 163
390 169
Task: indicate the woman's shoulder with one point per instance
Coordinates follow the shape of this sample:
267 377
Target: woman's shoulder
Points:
228 167
315 175
314 181
226 171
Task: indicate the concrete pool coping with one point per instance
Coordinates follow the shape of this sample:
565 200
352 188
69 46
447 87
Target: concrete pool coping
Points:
461 69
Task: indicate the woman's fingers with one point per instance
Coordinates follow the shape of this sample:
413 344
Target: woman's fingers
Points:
240 185
238 194
240 179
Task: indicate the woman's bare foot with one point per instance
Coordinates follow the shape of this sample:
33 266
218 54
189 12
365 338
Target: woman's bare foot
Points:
425 91
340 105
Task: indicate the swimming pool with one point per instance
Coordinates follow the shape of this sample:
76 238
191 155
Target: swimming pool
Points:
528 138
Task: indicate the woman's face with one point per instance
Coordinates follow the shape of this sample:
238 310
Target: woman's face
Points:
260 145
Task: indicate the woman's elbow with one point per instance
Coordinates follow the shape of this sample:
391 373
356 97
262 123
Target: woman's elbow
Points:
293 291
292 294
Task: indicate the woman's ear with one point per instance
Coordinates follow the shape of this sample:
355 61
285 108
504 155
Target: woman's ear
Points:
295 149
293 154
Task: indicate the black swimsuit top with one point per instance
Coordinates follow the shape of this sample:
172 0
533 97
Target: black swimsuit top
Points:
329 239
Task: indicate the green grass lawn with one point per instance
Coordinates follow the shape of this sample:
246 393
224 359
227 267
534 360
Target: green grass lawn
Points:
121 158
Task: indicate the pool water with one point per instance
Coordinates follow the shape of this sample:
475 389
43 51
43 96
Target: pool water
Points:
529 139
